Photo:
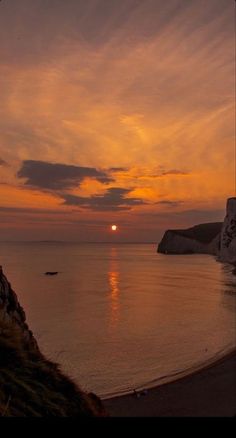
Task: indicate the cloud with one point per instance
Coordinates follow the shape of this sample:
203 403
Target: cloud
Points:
169 203
55 176
115 85
114 199
155 171
118 169
3 163
174 172
24 210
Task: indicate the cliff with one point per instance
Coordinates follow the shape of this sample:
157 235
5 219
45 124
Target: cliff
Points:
31 385
228 234
200 239
212 238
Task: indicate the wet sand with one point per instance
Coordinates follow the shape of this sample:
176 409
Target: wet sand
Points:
209 392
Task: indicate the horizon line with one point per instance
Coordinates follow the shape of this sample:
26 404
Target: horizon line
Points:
72 241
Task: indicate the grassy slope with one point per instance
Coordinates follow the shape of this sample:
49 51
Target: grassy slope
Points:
30 385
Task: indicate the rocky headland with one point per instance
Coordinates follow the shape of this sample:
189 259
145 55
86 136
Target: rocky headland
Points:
31 385
199 239
217 238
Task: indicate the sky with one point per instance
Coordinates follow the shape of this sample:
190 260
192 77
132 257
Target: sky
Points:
115 112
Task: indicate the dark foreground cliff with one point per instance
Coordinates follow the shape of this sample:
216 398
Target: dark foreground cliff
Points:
31 385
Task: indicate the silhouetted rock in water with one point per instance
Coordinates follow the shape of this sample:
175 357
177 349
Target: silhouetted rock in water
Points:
51 273
200 239
31 385
228 234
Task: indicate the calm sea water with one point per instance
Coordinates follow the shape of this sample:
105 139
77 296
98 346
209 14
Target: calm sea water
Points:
121 316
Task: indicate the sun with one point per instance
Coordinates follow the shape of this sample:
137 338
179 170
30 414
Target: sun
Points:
114 227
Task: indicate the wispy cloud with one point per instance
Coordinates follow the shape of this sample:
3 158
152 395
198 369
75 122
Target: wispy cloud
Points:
169 203
118 169
35 211
127 93
173 172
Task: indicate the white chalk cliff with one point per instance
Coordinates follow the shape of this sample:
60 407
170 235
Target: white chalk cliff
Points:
218 238
200 239
228 234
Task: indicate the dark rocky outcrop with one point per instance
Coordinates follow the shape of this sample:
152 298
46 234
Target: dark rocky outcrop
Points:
200 239
31 385
13 315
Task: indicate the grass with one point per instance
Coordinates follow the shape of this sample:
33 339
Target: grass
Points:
31 385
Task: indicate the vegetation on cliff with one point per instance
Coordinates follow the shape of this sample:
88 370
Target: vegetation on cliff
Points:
31 385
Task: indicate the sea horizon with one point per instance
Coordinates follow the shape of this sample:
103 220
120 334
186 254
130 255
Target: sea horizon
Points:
81 241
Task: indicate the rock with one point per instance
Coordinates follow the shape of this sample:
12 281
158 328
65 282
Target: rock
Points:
12 312
200 239
228 234
51 273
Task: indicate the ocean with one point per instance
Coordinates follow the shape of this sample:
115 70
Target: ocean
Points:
119 317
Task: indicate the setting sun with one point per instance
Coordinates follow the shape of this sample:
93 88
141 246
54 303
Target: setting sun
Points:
117 112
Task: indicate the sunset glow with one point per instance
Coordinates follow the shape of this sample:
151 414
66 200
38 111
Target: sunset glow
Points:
127 113
117 208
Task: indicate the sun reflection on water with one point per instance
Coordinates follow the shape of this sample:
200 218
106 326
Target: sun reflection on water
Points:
114 292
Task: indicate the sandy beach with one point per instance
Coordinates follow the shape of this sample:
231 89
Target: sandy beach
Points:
209 392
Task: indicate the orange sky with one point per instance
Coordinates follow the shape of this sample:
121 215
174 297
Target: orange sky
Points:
114 112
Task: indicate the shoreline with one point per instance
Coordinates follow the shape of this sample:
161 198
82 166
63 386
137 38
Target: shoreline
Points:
208 391
170 378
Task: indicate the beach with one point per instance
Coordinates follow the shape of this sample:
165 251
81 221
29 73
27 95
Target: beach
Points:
209 392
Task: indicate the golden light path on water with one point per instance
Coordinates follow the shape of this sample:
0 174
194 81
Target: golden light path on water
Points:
113 275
